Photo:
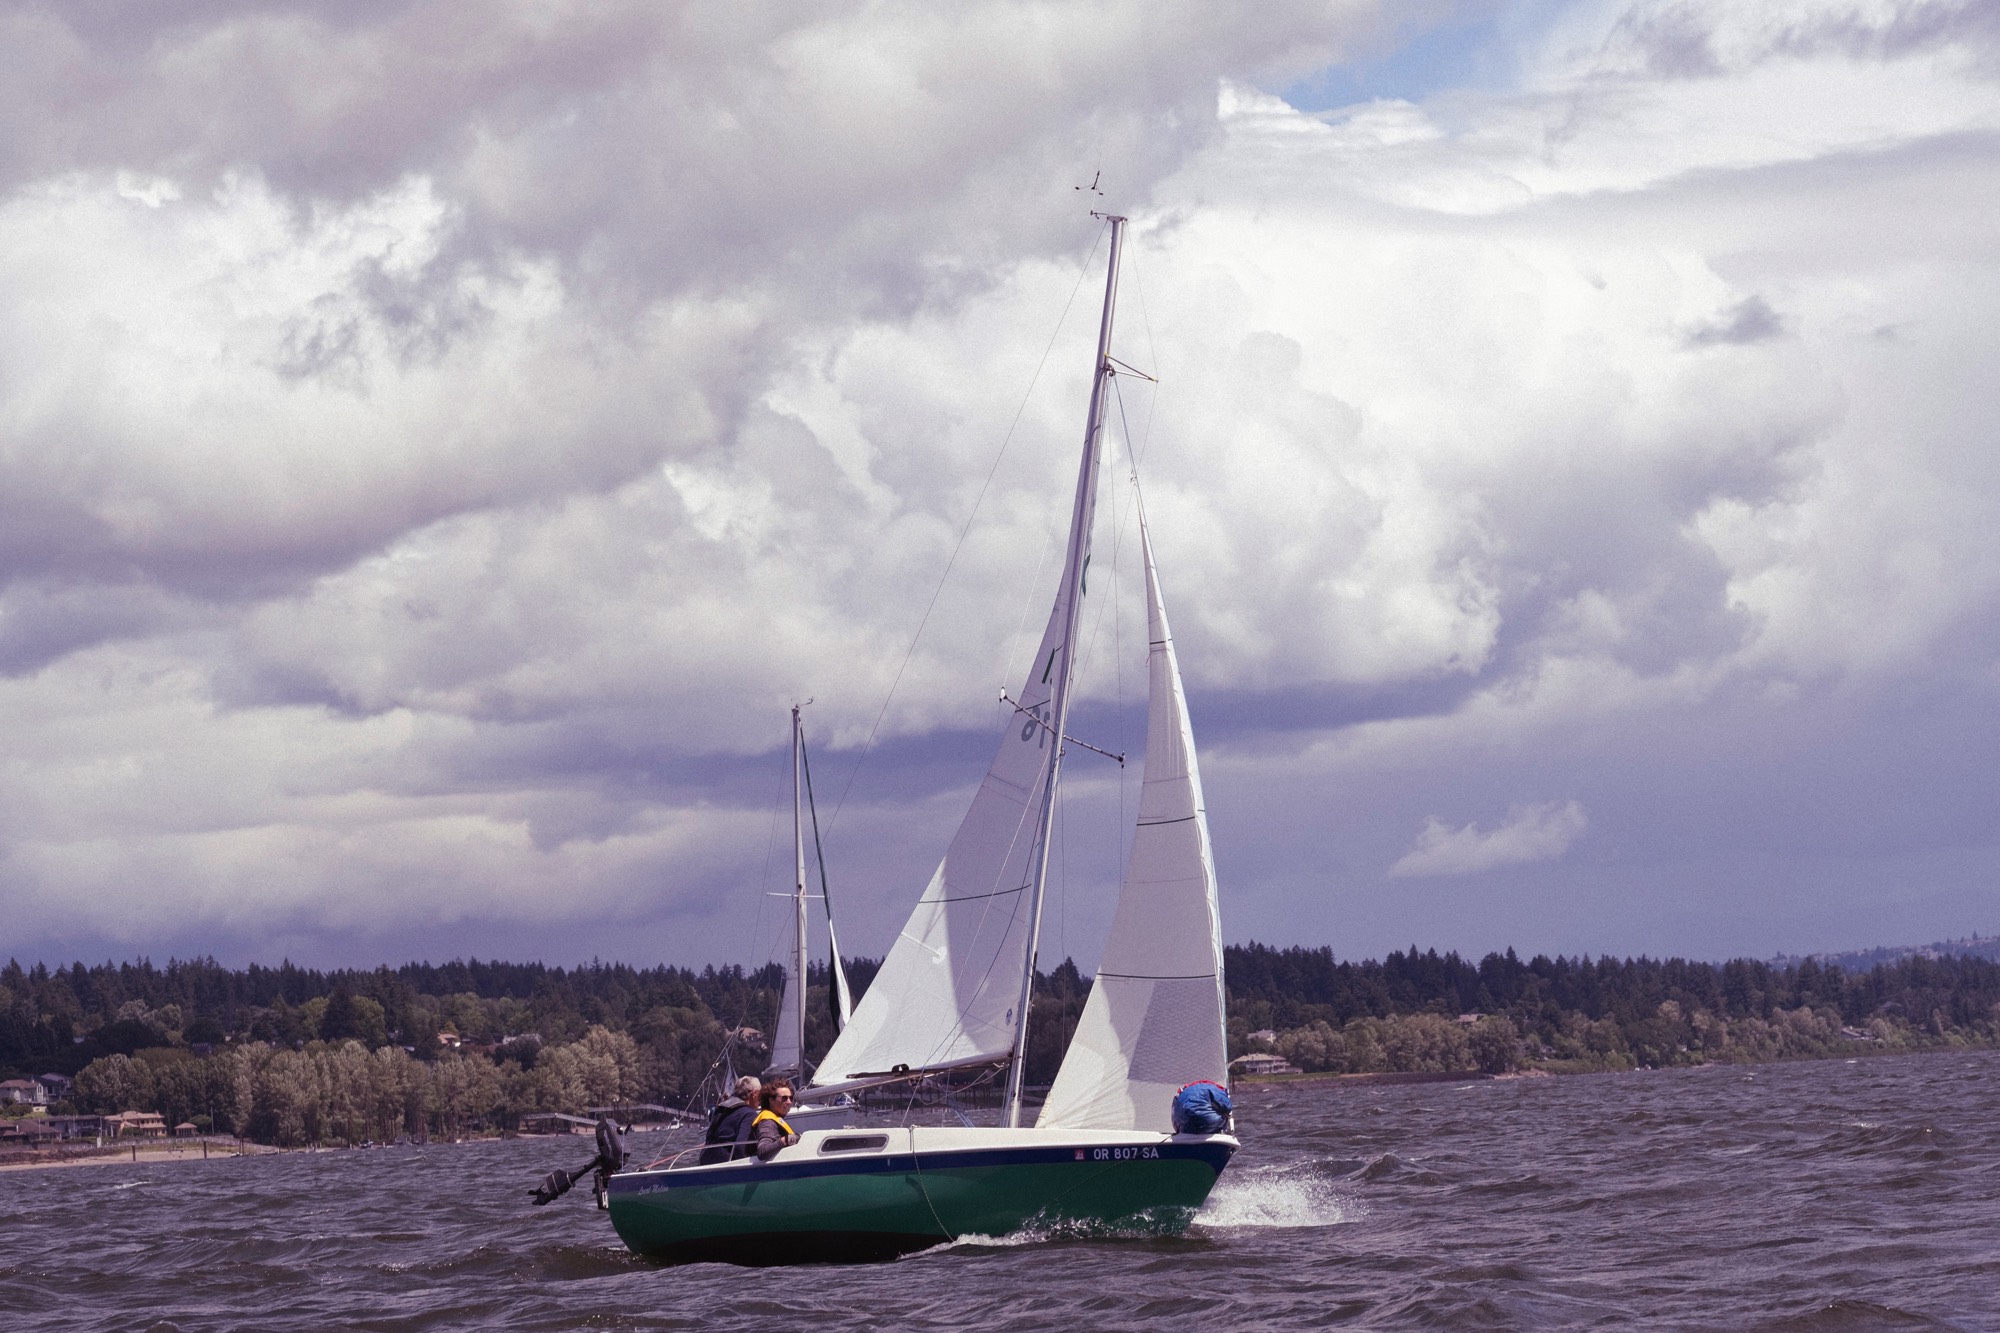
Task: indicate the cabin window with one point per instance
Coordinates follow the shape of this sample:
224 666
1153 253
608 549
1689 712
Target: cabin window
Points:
854 1143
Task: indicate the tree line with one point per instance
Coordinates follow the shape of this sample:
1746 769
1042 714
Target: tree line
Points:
341 1091
1424 1010
293 1055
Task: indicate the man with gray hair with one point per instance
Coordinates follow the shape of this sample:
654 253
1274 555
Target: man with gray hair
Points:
729 1123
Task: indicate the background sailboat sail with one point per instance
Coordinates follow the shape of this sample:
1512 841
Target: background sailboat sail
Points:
840 1004
1154 1020
788 1043
947 991
788 1040
786 1047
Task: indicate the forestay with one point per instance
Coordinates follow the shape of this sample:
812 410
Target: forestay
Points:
1154 1020
946 993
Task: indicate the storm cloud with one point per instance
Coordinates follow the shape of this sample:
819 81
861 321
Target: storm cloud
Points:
437 445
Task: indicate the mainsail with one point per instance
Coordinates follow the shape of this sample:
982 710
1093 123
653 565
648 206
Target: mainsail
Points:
954 988
1154 1020
946 994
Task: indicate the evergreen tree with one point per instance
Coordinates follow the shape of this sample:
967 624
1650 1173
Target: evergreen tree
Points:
341 1022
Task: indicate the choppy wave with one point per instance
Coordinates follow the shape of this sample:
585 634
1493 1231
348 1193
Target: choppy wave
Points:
1820 1197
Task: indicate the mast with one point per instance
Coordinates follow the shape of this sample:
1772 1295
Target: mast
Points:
1074 570
798 962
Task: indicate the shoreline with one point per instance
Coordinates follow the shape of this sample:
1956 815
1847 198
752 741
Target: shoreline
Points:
170 1150
222 1148
1377 1079
1381 1078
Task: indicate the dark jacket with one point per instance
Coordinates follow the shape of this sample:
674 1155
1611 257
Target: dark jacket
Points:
729 1131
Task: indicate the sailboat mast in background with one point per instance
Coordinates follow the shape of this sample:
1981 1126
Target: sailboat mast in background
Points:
1075 567
788 1046
798 965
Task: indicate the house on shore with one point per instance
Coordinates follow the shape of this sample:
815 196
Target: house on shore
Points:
1261 1062
32 1130
23 1092
80 1126
136 1125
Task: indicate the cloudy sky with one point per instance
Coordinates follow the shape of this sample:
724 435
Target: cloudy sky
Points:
439 443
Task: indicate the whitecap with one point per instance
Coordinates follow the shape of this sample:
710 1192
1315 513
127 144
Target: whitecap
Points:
1281 1197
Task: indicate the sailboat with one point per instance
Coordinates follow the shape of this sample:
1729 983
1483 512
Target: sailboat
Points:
953 994
788 1045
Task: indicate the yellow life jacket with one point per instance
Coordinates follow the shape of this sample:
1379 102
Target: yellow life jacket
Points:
762 1116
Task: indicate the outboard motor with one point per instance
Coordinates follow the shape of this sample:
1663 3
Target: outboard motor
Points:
610 1157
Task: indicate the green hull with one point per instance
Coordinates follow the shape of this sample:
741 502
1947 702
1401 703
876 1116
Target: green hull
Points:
804 1208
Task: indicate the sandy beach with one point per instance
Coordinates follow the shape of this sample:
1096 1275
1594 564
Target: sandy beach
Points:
172 1150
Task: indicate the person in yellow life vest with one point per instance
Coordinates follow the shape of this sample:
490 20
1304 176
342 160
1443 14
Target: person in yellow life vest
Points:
770 1129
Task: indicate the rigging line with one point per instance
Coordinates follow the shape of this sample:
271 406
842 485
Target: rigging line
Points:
1082 272
917 1160
975 897
1119 854
1132 457
1153 353
1138 502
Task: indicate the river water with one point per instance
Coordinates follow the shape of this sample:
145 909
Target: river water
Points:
1828 1195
